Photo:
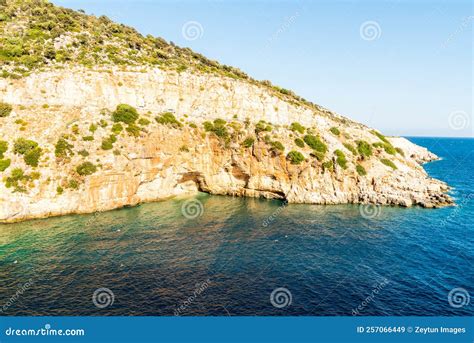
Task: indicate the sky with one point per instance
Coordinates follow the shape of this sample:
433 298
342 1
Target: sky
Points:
403 67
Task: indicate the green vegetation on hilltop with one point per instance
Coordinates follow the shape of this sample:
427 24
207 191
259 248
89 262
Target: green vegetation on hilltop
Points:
87 40
36 34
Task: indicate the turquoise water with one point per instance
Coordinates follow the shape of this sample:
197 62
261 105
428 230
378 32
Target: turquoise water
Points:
228 260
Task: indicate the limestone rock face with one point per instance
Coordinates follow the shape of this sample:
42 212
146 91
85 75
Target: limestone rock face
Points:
165 161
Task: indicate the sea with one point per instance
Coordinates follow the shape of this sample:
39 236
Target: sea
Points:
226 256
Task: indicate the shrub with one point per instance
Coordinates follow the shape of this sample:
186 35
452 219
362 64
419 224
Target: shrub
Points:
299 142
364 148
3 148
400 151
93 128
75 129
389 149
22 146
248 142
73 184
389 163
125 113
17 179
108 143
361 170
218 128
335 131
220 131
103 123
328 165
143 122
315 143
380 136
168 118
86 168
133 130
350 148
318 155
277 146
208 126
5 109
35 175
83 153
29 149
262 126
184 148
194 126
295 157
60 190
341 159
4 164
32 157
219 122
62 148
297 127
117 128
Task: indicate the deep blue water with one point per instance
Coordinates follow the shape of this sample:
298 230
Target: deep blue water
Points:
330 258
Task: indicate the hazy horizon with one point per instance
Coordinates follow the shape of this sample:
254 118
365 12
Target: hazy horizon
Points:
402 67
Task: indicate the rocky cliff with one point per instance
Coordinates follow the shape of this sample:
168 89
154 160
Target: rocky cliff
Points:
165 159
94 116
